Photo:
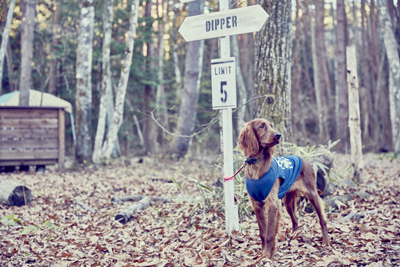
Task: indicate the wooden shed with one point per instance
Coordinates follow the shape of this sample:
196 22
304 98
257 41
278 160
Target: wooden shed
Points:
32 136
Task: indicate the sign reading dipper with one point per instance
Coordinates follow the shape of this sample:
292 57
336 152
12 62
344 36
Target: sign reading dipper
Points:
223 83
223 23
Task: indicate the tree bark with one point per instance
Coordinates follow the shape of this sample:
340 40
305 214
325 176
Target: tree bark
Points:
54 49
84 82
105 89
273 63
342 92
28 25
161 102
4 42
122 85
149 127
321 64
317 73
394 75
369 117
193 64
354 115
241 87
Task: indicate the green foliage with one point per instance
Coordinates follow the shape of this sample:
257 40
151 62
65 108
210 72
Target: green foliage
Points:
35 228
10 220
389 156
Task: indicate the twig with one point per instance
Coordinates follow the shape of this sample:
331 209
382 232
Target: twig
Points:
119 200
87 208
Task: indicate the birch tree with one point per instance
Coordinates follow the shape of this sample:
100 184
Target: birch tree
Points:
4 42
193 65
84 82
112 133
354 115
28 25
105 89
394 74
273 67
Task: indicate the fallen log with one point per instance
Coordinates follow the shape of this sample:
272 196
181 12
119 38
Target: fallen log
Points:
126 214
14 194
144 202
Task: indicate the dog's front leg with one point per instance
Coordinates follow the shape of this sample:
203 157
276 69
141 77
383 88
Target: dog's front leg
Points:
272 230
259 210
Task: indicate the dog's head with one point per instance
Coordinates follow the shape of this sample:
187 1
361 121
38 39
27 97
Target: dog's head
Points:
256 135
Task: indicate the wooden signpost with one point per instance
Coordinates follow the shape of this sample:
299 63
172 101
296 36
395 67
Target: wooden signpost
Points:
222 24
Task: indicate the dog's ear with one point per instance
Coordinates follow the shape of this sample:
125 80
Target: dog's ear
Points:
248 141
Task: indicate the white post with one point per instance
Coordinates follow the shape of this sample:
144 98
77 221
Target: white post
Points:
231 210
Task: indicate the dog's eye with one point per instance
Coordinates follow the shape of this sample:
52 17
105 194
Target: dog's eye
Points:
262 126
272 126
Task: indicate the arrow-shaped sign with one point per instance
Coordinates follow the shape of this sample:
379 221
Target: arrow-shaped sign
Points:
223 23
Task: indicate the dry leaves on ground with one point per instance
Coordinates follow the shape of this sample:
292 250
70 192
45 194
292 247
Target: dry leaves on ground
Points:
54 231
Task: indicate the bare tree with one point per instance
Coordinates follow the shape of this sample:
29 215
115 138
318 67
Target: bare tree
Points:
354 115
28 25
342 92
4 42
241 86
273 67
118 115
394 74
105 89
84 82
55 42
193 65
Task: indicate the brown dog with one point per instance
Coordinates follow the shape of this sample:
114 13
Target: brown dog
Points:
257 139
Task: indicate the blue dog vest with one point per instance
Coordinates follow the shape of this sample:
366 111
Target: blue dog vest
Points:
287 167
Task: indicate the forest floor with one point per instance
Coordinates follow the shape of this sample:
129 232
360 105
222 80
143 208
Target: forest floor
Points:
54 231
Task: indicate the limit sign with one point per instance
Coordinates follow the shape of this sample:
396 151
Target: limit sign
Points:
223 83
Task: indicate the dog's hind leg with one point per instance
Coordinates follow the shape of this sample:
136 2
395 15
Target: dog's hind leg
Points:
290 201
319 208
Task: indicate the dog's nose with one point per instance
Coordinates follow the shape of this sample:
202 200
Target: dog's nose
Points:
277 136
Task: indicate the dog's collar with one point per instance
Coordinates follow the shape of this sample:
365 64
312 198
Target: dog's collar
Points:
252 160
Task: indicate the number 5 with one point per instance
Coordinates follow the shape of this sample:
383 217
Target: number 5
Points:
223 99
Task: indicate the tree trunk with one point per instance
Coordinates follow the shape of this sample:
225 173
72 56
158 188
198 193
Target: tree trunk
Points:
4 41
161 102
354 115
105 89
321 67
369 117
317 74
273 63
193 64
28 8
241 87
54 49
342 92
394 75
84 82
122 85
149 127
